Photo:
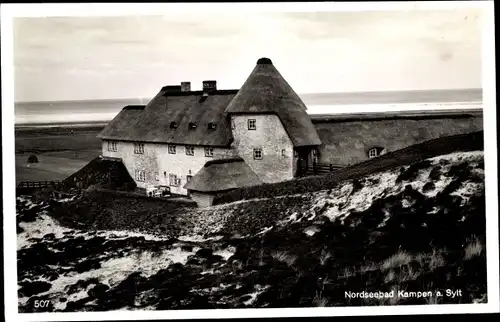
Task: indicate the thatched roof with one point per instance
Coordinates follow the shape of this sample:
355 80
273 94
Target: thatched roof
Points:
266 91
222 175
397 115
152 123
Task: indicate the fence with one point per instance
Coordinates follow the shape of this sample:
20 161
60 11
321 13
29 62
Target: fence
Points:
38 184
323 168
27 187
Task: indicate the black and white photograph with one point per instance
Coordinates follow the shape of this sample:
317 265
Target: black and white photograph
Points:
249 157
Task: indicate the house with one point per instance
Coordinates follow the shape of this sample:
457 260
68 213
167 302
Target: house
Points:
368 135
208 182
199 143
262 132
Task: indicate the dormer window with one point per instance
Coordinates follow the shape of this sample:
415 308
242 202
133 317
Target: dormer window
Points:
209 152
189 150
173 125
192 125
375 152
138 148
211 126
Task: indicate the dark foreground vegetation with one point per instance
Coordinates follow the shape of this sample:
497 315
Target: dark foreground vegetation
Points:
101 173
463 142
417 228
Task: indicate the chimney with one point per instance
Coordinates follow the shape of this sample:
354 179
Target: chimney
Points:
209 85
185 86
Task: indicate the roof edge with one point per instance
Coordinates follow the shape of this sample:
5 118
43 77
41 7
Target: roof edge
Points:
102 137
223 161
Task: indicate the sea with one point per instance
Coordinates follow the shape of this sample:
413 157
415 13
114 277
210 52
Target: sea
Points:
82 112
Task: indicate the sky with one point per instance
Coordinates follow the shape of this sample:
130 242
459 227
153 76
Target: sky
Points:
77 58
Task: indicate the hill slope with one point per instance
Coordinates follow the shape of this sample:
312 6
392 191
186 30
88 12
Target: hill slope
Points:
415 228
449 144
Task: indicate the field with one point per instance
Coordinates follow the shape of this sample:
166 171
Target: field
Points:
412 233
61 151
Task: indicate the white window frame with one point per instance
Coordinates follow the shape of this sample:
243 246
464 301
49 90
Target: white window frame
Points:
157 176
252 124
171 149
112 146
189 177
256 152
283 152
138 148
209 152
173 180
189 150
140 175
373 153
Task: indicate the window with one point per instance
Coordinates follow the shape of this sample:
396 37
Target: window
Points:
188 177
157 176
283 152
257 154
112 146
252 124
173 180
374 152
189 150
139 148
209 152
171 149
192 125
173 125
233 124
140 175
211 126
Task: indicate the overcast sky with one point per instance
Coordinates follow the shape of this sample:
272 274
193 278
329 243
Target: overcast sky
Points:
72 58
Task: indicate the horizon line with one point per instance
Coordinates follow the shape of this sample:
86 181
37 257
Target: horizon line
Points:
309 93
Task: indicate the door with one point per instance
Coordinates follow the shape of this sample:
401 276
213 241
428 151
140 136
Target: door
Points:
302 162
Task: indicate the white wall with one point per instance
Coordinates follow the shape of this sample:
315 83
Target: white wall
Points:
157 159
271 137
202 199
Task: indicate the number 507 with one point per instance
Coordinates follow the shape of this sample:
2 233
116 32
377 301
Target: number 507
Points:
42 303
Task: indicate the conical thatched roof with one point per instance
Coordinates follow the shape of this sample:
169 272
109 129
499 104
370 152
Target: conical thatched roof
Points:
266 91
222 175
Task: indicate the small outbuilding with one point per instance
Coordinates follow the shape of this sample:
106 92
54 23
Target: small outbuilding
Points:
219 176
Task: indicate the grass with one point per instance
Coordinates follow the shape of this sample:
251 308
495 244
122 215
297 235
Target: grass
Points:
60 152
52 166
397 260
474 248
40 140
107 210
284 257
325 255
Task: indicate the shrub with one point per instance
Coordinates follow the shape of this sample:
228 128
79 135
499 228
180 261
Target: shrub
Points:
32 159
